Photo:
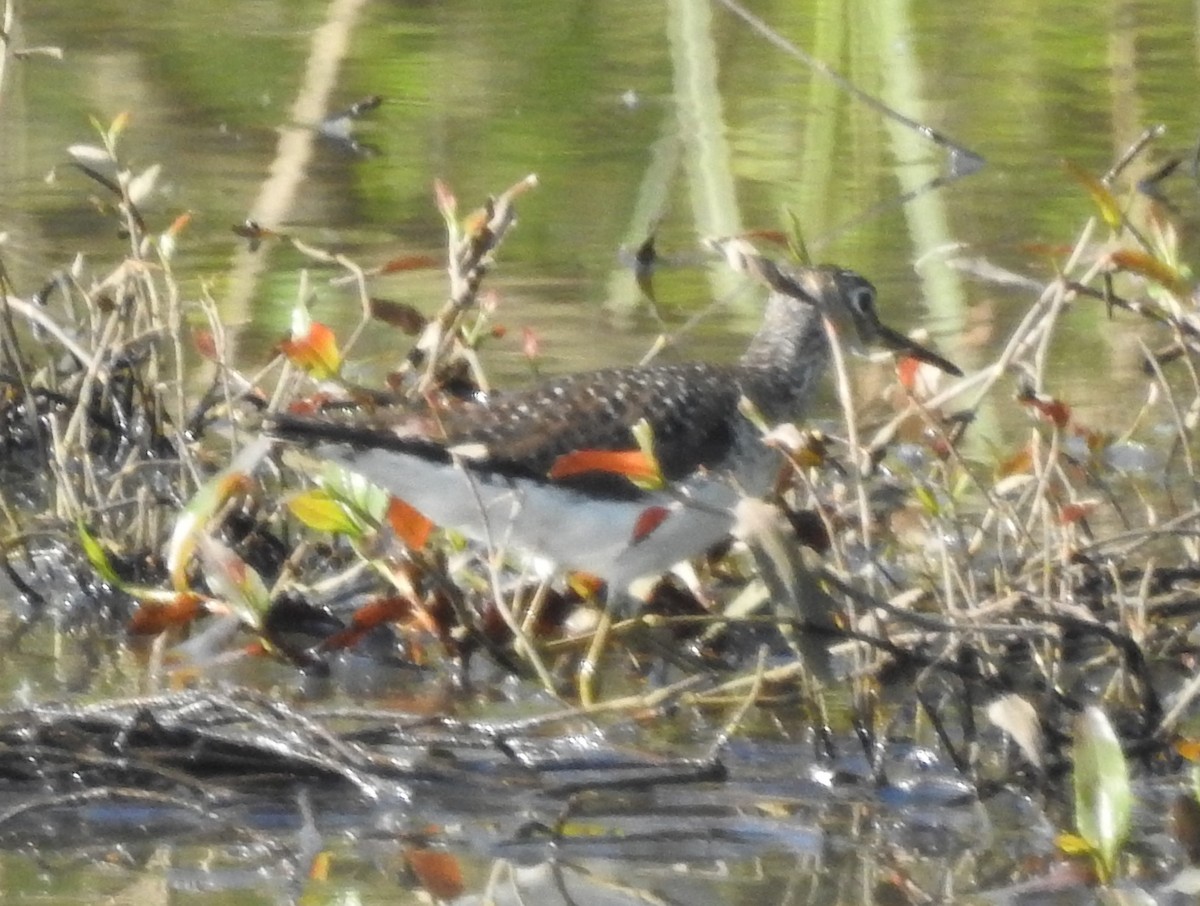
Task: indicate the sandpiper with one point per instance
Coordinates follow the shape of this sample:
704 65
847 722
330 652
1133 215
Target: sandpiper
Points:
484 467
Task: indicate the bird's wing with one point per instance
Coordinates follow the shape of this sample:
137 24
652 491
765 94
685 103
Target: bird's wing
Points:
691 410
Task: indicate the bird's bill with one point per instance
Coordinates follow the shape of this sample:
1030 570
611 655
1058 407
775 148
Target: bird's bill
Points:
898 342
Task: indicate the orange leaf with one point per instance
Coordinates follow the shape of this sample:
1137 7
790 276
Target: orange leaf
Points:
586 585
1110 210
633 464
1097 441
409 263
475 223
906 370
319 870
316 351
151 619
410 525
1146 265
1188 748
383 610
1020 463
1045 249
437 872
1073 512
179 223
779 237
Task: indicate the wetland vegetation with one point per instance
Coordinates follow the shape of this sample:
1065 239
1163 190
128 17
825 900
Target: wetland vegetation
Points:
953 658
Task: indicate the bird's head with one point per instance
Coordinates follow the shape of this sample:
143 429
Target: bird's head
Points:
847 301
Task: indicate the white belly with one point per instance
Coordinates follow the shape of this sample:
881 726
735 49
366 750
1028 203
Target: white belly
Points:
617 540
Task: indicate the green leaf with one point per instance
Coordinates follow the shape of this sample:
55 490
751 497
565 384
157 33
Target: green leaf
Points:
1103 796
192 521
97 556
233 581
318 510
927 499
643 434
751 413
1073 845
795 233
115 128
364 500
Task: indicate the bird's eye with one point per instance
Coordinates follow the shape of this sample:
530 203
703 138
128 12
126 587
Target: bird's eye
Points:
862 299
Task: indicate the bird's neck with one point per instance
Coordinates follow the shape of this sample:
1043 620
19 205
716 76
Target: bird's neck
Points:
786 358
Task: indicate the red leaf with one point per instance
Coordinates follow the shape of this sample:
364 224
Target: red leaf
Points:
1074 512
776 236
383 610
1052 410
366 618
206 343
648 521
310 405
920 379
